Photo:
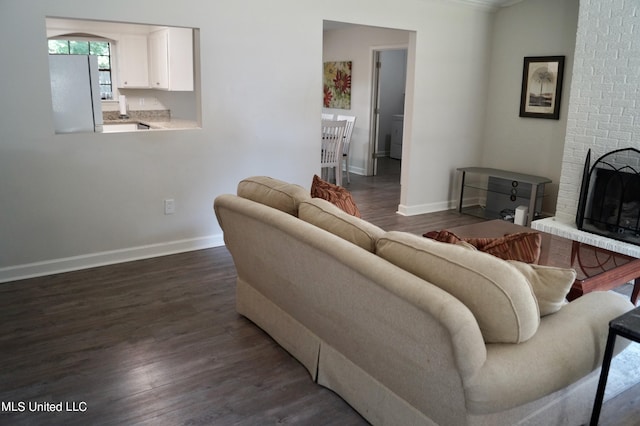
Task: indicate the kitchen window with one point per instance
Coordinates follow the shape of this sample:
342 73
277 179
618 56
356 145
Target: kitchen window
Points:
84 46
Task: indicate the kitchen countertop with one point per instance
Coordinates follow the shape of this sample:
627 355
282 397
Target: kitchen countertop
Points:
155 119
157 123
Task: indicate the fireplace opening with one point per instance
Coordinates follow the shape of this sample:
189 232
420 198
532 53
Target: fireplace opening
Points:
609 202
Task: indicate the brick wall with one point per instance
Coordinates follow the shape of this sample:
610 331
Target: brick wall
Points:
604 105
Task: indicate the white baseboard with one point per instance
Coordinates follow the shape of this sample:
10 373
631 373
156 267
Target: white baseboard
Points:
355 171
56 266
425 208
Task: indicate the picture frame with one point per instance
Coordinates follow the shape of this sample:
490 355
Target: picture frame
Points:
336 84
541 86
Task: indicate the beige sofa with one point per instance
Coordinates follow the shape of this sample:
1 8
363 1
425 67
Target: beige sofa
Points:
407 330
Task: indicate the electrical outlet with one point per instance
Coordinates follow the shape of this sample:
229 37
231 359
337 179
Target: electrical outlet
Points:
141 101
169 206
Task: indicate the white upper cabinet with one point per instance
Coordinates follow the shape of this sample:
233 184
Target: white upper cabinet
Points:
133 65
171 59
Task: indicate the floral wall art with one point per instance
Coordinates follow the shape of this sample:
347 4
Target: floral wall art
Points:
337 85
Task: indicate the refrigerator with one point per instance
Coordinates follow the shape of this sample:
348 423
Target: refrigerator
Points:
75 93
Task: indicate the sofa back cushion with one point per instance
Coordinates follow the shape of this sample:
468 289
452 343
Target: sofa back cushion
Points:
274 193
331 218
497 294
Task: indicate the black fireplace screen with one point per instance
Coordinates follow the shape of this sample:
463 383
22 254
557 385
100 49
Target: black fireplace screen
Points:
609 202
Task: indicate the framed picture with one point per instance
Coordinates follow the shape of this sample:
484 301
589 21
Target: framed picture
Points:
541 87
337 85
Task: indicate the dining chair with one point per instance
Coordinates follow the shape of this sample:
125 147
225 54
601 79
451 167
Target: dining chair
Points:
331 153
351 122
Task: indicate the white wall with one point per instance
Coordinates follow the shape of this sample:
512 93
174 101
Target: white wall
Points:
528 145
446 94
605 102
70 201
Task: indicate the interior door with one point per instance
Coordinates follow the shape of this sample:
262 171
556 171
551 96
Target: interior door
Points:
388 99
372 168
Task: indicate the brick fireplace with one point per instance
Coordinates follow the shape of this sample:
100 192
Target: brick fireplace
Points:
604 108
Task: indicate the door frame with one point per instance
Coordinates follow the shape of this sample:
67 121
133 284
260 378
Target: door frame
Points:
374 104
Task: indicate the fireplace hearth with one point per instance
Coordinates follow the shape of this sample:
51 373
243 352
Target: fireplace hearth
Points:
609 203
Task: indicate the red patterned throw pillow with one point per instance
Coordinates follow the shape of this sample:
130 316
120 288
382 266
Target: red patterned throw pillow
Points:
521 246
335 194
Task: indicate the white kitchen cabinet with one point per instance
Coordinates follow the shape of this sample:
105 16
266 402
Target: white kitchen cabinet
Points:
133 63
171 59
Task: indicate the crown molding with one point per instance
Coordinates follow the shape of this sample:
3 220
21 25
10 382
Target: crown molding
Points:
491 5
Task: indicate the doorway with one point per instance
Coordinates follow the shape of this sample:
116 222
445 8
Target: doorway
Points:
358 44
389 83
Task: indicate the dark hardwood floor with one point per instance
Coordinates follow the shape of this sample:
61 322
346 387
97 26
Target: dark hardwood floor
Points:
158 342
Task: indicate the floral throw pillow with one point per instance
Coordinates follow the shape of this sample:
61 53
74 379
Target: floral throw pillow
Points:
521 246
335 194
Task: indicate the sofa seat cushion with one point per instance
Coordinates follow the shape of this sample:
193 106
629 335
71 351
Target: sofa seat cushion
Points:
497 294
274 193
329 217
335 194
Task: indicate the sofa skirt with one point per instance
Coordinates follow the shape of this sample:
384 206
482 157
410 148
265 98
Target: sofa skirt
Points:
282 327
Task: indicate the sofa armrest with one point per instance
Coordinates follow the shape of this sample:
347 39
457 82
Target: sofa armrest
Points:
469 349
568 346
